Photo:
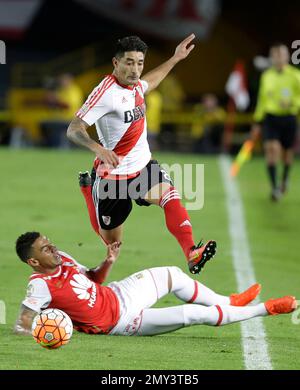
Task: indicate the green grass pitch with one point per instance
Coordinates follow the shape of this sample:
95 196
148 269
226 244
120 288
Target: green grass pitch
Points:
39 191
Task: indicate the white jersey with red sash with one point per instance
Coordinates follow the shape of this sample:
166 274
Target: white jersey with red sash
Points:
119 114
93 308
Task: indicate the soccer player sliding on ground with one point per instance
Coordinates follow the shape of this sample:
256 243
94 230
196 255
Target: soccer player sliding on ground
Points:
123 169
124 307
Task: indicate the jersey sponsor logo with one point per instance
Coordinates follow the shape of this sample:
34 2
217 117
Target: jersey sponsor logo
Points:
106 219
81 284
134 115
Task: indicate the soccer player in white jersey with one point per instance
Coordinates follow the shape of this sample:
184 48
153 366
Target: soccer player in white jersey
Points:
124 307
123 170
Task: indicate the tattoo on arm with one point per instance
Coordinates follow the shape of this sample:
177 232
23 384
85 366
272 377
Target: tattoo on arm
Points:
24 322
77 132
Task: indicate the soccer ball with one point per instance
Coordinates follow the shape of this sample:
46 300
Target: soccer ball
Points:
52 328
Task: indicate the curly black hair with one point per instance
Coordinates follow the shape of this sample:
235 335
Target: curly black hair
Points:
24 245
132 43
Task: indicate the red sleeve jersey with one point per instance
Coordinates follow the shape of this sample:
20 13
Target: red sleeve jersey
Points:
93 308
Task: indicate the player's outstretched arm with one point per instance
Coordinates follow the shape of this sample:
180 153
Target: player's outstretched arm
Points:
24 321
100 274
155 76
77 133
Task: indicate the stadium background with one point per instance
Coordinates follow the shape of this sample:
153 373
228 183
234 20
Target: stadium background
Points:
39 186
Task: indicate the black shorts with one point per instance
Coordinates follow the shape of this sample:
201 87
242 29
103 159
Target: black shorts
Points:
281 128
113 198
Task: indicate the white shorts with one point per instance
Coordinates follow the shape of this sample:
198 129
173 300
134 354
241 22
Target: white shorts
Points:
135 293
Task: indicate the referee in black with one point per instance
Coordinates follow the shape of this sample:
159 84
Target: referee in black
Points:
276 115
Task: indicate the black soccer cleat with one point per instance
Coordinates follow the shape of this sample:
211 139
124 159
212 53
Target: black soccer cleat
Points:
85 179
200 254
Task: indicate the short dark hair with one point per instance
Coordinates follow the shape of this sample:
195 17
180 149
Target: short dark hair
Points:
24 245
132 43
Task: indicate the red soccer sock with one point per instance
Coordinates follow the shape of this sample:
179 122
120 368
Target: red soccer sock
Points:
177 220
87 193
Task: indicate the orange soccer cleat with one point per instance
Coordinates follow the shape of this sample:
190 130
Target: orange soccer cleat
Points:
281 305
245 297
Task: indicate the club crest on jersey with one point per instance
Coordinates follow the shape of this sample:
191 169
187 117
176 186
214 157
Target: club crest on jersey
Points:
134 115
106 219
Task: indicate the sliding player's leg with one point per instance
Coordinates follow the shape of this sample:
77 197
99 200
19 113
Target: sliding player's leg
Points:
157 321
140 291
172 279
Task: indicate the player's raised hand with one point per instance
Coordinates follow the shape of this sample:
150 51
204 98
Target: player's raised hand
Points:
184 48
113 251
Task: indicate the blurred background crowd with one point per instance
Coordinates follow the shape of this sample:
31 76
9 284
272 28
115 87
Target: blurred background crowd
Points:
57 52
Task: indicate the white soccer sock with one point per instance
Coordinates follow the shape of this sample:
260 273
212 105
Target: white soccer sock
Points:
221 315
191 291
158 321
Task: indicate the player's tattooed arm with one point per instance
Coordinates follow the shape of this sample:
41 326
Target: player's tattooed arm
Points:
100 274
77 133
155 76
24 321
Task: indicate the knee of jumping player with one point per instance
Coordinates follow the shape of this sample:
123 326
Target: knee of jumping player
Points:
155 194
